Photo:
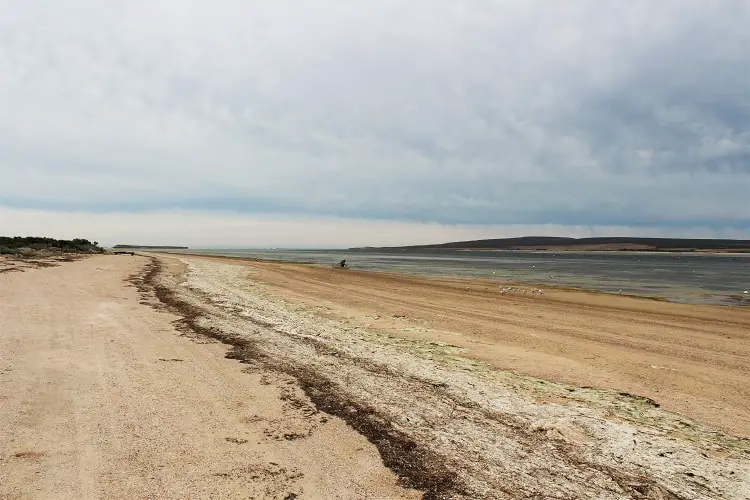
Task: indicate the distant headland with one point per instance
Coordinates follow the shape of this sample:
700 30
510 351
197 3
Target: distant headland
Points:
151 247
558 244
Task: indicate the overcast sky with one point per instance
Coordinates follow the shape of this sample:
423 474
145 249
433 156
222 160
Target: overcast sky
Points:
288 123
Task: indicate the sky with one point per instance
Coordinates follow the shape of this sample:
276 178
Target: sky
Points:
339 123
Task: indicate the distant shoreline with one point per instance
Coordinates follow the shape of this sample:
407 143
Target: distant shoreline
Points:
599 244
567 249
733 300
695 251
148 247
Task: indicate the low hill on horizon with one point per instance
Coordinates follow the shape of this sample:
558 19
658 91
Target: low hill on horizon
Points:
607 243
151 247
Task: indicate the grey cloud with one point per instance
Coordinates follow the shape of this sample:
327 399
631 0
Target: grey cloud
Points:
471 112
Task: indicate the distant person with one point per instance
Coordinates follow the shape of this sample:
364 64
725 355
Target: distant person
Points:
342 263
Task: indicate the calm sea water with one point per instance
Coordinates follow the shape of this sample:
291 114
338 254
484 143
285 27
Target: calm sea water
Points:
679 277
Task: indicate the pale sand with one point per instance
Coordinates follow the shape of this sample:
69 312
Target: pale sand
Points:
96 402
100 397
485 433
691 359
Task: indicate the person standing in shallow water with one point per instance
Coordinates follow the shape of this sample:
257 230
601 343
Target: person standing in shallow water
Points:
342 263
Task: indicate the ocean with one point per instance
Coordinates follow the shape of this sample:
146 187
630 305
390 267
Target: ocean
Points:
679 277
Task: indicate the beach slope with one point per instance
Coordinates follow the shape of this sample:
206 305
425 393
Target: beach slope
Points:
101 397
416 366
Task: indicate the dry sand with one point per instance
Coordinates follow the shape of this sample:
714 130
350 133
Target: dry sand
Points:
100 397
460 391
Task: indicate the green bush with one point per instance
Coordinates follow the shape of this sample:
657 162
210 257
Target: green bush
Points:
12 245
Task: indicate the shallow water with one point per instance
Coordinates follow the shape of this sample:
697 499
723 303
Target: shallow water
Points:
679 277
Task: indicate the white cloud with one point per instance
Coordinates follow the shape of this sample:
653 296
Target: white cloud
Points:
575 113
229 229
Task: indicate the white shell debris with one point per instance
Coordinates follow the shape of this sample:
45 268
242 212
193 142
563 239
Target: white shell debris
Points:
509 289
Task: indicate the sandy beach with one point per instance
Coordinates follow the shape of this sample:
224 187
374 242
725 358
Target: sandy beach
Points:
101 397
172 377
691 359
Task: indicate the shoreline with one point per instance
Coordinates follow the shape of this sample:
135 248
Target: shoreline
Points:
741 252
438 394
737 300
577 337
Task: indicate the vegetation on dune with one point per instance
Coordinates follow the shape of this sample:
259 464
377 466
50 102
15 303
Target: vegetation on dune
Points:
33 245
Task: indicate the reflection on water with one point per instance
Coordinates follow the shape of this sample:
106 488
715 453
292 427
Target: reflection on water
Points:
680 277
